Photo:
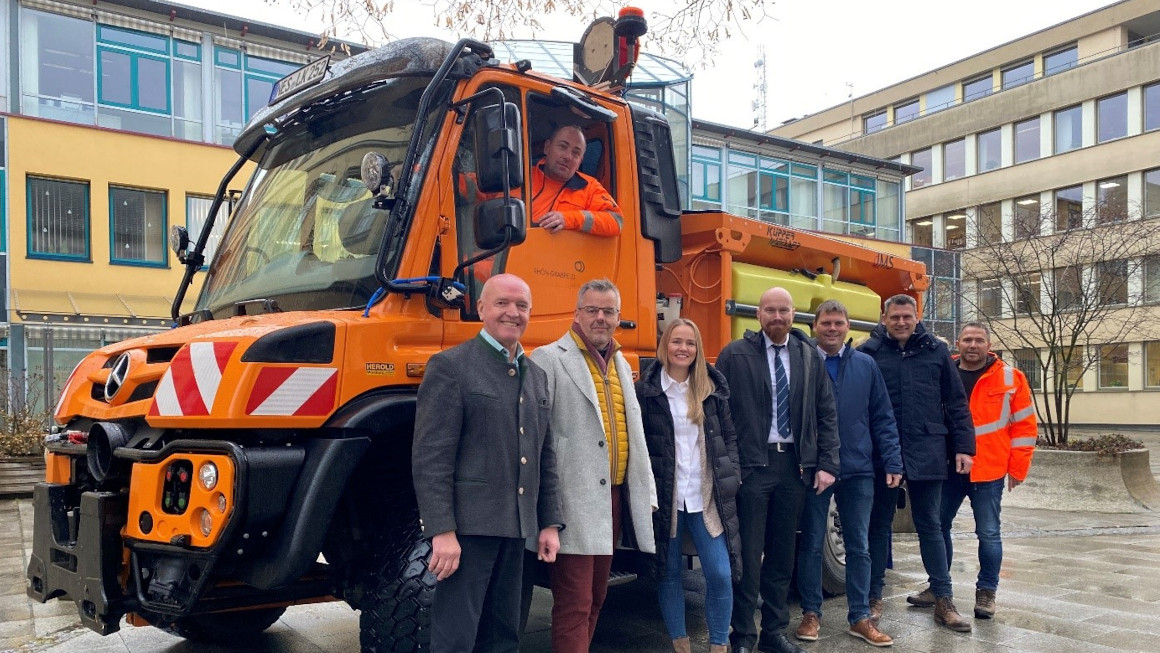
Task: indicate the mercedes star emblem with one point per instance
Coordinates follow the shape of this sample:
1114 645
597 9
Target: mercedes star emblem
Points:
117 376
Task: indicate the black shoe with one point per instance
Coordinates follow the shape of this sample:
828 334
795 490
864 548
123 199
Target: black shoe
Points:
779 643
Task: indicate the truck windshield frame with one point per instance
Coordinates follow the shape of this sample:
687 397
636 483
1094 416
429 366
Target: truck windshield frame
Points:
307 233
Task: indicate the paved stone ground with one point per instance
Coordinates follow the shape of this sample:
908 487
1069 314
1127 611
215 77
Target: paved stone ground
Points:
1070 582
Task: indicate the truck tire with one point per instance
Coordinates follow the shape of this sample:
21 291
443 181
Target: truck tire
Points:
833 555
225 627
396 604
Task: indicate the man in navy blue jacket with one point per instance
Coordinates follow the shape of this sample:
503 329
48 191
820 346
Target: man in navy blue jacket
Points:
869 443
936 433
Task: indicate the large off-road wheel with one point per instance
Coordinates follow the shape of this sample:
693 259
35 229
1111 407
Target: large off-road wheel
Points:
398 591
225 627
833 554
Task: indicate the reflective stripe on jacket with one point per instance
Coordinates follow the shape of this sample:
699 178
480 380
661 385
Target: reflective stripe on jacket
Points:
1005 426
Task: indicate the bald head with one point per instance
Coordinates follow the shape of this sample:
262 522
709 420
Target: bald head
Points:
775 313
505 304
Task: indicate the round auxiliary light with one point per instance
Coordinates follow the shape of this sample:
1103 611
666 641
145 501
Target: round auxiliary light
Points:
221 503
206 522
208 474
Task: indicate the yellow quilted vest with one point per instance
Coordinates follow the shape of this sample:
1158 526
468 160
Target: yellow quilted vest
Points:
610 393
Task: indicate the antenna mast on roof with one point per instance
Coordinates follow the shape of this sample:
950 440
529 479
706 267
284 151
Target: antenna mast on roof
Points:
759 105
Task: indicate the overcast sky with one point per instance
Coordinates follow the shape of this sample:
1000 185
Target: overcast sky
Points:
815 50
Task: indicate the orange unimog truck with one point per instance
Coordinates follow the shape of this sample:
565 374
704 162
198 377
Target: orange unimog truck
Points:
258 455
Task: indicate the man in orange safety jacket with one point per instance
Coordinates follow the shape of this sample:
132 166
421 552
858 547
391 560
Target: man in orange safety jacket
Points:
1003 412
565 198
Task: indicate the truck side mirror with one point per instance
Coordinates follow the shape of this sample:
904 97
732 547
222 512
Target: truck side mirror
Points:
496 218
499 152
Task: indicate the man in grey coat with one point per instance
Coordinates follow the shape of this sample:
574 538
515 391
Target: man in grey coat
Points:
484 468
605 474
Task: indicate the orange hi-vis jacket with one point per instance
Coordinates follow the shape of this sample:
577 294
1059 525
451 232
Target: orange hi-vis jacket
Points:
585 204
1005 426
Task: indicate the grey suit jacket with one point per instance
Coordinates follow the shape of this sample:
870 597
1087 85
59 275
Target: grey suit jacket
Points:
483 459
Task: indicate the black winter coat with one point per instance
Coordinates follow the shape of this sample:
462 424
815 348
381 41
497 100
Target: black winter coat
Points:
721 456
930 405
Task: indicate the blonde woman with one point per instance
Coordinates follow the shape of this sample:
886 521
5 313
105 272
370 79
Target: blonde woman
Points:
693 447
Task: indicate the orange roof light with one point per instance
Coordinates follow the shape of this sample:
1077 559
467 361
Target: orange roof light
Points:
631 11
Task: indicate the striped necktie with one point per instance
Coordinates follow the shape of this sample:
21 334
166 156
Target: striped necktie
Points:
782 393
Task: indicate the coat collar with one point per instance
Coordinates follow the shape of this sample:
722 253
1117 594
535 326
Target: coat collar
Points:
577 182
577 368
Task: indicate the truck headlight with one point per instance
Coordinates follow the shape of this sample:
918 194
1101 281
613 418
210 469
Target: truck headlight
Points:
208 474
206 522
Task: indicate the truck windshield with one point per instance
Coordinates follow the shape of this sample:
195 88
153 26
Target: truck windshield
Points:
306 233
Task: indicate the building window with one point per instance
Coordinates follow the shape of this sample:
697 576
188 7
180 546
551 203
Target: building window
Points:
1027 140
906 111
922 232
1060 60
1152 364
1152 279
58 219
138 226
759 187
990 298
1027 217
874 122
1069 208
1018 75
1113 365
196 211
1073 363
1068 129
803 195
1152 107
1068 287
1112 277
1027 361
922 159
990 150
954 230
989 218
887 209
978 88
940 98
954 159
1027 288
1112 200
243 84
705 178
58 64
1152 193
133 81
1112 117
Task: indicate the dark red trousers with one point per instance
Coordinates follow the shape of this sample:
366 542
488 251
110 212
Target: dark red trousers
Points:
579 585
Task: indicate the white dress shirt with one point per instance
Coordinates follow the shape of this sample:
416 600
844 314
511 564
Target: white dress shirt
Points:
688 488
774 436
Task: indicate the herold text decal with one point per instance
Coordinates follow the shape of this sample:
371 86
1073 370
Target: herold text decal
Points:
380 369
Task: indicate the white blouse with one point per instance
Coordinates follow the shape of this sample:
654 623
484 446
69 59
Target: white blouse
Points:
685 431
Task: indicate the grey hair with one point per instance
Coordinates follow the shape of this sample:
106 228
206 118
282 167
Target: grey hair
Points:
976 325
597 285
831 306
899 300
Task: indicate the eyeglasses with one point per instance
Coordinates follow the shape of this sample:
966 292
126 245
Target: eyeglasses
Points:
591 311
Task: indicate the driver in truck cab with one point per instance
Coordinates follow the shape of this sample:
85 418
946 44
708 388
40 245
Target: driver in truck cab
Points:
565 198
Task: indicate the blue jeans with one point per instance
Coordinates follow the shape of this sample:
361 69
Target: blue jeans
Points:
926 506
855 497
714 555
881 527
985 499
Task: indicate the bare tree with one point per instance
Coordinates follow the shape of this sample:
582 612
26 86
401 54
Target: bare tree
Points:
689 30
23 415
1061 294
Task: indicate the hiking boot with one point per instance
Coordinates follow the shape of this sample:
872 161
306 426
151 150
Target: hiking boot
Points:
945 614
876 607
807 631
865 629
924 599
682 645
984 604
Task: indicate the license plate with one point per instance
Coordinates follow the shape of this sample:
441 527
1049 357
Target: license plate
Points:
306 76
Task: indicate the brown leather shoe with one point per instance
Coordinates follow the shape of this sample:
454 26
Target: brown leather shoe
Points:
984 604
924 599
682 645
945 614
807 631
866 630
718 648
876 607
